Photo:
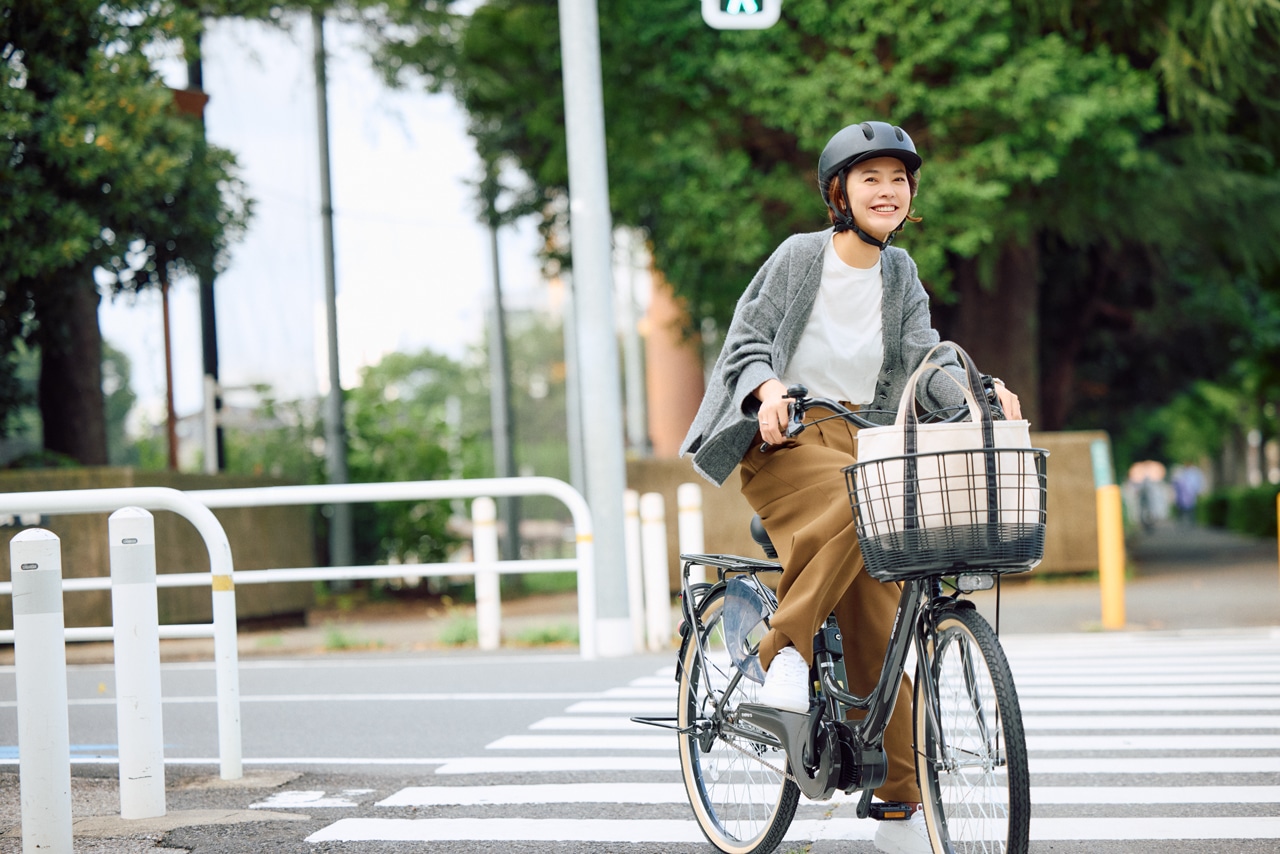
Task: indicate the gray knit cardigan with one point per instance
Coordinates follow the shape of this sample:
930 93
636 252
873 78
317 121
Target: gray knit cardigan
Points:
766 328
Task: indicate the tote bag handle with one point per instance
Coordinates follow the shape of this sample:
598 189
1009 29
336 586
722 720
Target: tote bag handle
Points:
979 410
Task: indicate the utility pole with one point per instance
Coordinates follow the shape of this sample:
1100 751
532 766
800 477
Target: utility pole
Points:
590 229
504 458
215 451
632 347
341 552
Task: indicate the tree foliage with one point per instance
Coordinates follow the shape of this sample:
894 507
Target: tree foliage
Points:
1122 150
99 170
399 428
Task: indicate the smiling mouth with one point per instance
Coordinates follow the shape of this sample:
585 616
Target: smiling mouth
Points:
885 209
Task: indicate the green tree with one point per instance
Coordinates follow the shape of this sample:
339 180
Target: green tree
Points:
1072 151
399 428
118 400
102 182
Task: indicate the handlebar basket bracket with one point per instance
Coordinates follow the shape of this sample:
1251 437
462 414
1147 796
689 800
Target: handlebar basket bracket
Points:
950 512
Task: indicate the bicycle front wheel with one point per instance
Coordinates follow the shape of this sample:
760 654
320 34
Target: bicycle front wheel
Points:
737 786
971 753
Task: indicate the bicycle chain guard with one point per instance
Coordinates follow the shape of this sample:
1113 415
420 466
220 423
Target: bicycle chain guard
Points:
747 606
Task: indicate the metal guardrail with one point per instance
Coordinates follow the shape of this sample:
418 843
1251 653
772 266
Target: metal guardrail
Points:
226 656
197 506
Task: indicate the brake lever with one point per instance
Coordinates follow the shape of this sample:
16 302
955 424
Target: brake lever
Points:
989 389
795 420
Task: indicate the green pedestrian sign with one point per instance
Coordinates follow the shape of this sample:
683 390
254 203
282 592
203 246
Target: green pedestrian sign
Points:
741 14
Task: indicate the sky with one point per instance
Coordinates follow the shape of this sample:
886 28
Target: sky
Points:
413 264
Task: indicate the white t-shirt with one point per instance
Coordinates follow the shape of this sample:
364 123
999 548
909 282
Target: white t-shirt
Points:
842 348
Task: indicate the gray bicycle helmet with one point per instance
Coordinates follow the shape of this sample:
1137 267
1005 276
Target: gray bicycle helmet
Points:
854 144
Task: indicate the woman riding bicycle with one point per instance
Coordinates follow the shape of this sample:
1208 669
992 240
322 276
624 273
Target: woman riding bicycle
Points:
844 314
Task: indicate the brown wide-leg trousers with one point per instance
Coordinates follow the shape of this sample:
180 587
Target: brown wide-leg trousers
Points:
798 489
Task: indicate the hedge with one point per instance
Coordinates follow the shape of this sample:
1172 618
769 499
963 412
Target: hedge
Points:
1249 510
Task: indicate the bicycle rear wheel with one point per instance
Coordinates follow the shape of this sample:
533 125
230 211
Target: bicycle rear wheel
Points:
737 786
971 754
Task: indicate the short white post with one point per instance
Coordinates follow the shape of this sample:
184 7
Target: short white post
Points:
635 566
40 663
657 580
689 527
484 544
135 618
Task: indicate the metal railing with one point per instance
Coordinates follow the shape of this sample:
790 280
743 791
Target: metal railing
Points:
196 507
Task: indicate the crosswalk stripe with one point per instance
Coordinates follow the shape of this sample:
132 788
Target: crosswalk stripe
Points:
1028 703
678 831
1148 704
674 793
584 742
1189 711
1214 691
1179 766
552 764
1129 765
1035 743
1134 679
1031 722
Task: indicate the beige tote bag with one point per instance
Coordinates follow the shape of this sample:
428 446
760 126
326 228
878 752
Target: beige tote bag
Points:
955 493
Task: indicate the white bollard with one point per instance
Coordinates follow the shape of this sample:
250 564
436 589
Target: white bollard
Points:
136 620
635 566
40 664
657 580
484 545
689 527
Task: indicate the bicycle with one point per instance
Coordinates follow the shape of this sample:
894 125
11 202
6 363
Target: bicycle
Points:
744 765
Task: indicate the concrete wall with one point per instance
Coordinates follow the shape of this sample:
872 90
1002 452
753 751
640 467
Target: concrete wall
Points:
261 538
1071 533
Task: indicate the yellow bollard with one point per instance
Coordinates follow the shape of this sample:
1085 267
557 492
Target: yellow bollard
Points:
1111 555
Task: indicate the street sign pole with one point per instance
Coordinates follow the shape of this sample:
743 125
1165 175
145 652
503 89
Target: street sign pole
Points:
598 380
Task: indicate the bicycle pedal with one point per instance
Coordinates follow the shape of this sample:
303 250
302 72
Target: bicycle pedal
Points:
891 811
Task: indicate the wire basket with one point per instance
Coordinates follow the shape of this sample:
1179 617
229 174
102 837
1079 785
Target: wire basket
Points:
950 512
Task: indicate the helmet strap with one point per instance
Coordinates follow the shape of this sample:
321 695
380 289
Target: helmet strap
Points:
844 221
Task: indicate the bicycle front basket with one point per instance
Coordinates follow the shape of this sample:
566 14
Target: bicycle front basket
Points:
943 513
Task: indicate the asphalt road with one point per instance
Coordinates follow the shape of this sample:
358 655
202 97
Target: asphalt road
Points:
1163 738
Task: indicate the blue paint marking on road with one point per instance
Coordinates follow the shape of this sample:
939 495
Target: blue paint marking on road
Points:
10 751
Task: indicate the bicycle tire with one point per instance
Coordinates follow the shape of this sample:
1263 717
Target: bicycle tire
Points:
971 751
741 804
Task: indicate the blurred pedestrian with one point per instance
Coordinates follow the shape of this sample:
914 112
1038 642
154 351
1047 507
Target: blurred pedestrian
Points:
1188 484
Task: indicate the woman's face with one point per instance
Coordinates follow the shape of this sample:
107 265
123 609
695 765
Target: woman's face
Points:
879 195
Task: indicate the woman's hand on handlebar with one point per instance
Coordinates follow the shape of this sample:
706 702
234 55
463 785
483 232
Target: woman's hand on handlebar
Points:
775 410
1008 401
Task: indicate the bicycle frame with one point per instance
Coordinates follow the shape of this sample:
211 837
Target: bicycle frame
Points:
799 733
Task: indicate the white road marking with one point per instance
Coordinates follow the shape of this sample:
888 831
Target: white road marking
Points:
1030 722
309 800
552 764
545 793
1171 743
675 831
1148 704
1242 689
1179 766
665 742
558 830
674 793
588 722
1035 743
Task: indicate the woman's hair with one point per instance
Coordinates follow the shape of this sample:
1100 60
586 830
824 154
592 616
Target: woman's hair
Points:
835 192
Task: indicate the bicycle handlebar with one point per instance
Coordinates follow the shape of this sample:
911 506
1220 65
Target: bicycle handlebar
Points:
801 403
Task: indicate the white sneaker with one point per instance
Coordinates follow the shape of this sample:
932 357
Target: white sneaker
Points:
904 837
786 682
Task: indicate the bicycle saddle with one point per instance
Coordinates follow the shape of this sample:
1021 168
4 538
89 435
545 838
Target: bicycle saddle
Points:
761 536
